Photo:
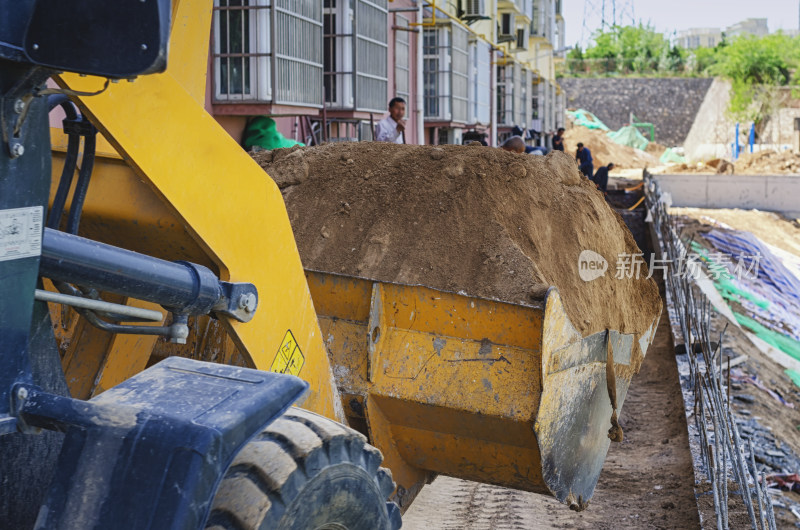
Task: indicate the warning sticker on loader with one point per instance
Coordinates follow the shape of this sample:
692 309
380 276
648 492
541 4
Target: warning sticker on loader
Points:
290 359
20 233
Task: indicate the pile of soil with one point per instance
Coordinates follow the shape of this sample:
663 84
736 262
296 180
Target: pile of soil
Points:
760 163
469 219
605 150
655 149
768 163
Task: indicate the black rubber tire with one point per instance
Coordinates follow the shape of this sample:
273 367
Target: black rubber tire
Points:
306 472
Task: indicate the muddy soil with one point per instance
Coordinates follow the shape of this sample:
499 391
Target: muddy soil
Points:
647 480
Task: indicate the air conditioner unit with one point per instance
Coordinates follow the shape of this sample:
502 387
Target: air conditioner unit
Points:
522 38
474 8
507 27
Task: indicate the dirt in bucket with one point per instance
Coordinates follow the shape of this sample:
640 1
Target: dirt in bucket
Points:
470 219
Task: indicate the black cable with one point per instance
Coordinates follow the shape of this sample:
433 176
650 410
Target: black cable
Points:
70 162
78 198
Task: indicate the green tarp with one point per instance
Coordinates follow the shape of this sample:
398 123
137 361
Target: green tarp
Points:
627 135
630 136
779 340
262 132
671 157
586 119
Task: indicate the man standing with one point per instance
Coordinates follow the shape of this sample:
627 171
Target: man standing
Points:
601 177
392 127
558 140
585 162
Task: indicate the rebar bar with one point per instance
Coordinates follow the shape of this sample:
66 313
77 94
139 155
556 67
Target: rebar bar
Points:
720 443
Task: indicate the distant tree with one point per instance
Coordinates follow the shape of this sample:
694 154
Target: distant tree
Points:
625 50
701 59
755 66
575 61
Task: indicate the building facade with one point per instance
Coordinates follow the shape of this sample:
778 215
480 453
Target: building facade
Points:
751 26
325 70
694 38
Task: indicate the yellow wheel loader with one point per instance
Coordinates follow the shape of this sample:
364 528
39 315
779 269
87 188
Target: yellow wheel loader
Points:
158 322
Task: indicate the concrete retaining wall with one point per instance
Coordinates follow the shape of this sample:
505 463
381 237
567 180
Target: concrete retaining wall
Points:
671 104
777 193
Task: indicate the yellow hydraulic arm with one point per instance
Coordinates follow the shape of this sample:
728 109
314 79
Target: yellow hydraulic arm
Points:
230 207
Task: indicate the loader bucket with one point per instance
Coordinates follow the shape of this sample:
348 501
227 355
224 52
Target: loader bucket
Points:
478 389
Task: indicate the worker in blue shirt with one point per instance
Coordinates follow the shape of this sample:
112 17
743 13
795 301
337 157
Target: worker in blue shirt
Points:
585 162
601 177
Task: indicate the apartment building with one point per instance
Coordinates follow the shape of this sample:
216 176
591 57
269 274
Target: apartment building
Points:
694 38
751 26
325 70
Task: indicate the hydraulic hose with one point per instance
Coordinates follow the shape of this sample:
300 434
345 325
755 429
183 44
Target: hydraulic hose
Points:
85 174
70 162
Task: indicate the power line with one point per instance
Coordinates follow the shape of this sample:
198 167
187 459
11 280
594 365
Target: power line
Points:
609 12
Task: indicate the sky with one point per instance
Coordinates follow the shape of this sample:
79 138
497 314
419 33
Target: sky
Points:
670 15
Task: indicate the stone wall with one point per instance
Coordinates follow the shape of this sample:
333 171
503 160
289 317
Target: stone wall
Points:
670 104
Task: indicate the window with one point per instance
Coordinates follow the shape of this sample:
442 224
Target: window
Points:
460 73
507 26
479 82
267 51
402 57
337 61
436 82
242 50
356 54
505 99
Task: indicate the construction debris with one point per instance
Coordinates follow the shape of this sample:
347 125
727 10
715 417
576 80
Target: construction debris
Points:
768 163
759 163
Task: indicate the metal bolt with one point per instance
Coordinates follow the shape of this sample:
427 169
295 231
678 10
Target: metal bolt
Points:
35 46
247 302
17 150
144 47
22 393
19 106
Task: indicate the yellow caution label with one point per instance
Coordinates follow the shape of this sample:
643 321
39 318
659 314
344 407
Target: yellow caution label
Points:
289 359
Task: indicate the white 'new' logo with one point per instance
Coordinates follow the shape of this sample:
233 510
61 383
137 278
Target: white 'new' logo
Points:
591 265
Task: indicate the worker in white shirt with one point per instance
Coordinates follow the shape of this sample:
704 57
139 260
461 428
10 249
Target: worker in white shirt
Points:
392 127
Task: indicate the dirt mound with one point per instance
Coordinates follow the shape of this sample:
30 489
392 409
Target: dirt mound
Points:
759 163
655 149
605 150
468 219
768 162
